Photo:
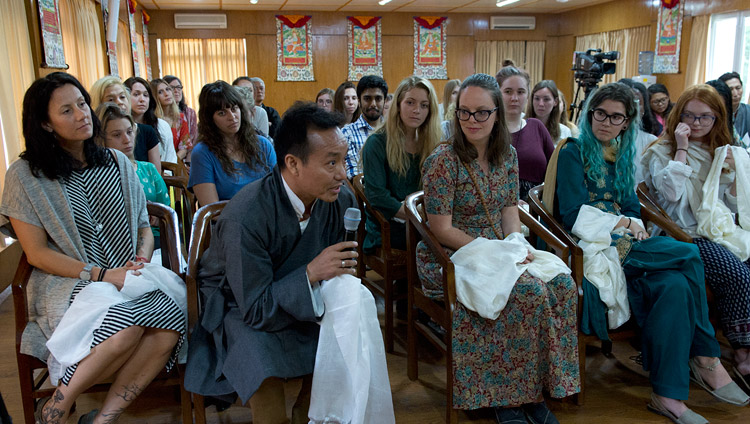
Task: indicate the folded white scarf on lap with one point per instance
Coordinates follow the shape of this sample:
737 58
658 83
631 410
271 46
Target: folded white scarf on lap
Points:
350 382
487 271
72 339
601 263
715 220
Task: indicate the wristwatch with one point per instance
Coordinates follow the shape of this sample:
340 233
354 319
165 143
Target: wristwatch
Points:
85 275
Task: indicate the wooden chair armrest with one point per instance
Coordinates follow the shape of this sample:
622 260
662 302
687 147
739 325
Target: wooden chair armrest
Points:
561 249
20 302
666 224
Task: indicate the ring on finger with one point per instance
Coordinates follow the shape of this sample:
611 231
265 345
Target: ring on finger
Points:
343 264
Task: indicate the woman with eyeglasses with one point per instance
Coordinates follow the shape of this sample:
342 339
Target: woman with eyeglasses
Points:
657 281
324 99
230 153
660 103
470 191
531 139
190 116
678 166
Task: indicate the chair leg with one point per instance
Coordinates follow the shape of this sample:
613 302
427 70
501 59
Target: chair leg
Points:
581 367
26 378
412 370
388 286
186 405
199 409
451 414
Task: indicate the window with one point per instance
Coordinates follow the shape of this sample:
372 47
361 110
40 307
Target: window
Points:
729 45
199 61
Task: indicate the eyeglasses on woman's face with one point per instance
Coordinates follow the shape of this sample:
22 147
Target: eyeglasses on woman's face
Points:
615 119
479 115
176 87
660 101
703 120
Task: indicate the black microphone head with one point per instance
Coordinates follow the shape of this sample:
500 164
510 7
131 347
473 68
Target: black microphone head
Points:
352 216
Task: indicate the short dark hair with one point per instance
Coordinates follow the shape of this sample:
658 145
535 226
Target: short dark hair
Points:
730 75
243 78
725 92
371 81
43 152
298 120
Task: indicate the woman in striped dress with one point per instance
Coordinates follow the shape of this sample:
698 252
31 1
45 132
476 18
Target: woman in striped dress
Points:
80 215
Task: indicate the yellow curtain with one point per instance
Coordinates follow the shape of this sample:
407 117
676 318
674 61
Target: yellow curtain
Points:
124 55
82 40
629 42
16 75
529 55
535 60
200 61
696 66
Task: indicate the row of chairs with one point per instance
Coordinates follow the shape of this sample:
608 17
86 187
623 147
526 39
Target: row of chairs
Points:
391 264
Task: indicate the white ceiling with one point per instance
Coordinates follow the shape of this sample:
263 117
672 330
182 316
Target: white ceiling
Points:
371 6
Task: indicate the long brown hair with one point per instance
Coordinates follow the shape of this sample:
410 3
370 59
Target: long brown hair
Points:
553 122
217 96
719 134
499 143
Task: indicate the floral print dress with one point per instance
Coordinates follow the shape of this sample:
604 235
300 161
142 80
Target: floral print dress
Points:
532 346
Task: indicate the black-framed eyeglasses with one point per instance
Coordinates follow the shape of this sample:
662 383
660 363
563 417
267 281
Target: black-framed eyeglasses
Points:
614 119
479 115
660 101
703 120
176 87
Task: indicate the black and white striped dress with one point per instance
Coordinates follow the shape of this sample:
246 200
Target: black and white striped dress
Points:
98 208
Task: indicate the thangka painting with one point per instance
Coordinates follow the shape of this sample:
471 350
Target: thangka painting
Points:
110 18
294 48
430 47
133 37
365 47
147 55
668 35
52 45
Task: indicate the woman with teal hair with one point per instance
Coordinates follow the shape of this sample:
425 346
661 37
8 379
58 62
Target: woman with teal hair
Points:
662 280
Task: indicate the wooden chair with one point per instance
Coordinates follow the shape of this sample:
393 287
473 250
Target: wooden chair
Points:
32 372
627 331
184 201
389 263
442 311
199 242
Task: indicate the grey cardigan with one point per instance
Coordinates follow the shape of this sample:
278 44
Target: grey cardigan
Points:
44 203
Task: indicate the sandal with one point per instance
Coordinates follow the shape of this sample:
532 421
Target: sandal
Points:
744 380
729 393
687 417
38 411
88 418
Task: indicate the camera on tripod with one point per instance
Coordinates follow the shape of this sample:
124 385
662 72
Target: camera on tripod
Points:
591 66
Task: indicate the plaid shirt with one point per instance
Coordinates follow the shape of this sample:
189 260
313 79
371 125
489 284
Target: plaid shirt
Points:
356 134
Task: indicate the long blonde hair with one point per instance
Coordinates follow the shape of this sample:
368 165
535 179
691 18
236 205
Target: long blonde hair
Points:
171 112
447 93
428 134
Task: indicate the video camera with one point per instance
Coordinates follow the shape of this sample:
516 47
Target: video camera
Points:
590 67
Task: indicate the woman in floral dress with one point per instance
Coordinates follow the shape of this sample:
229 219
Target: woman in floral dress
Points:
532 347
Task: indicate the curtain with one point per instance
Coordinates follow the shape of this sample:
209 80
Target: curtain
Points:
82 40
124 55
529 55
696 66
16 75
141 56
200 61
629 42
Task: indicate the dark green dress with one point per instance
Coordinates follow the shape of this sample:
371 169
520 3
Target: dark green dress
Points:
665 278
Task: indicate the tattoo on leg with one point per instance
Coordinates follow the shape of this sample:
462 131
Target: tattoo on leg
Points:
57 397
130 392
52 415
111 417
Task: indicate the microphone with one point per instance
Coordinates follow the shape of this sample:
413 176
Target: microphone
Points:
352 216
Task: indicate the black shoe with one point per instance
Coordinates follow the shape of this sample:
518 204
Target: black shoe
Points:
538 413
88 418
510 415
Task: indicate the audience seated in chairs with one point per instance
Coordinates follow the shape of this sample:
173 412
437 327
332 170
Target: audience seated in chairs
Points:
190 116
677 172
660 279
143 110
77 246
147 147
230 154
471 190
